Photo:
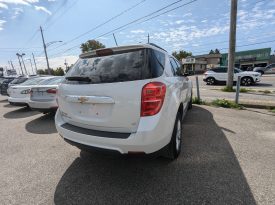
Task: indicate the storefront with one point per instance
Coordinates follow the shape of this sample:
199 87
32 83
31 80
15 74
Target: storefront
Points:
247 60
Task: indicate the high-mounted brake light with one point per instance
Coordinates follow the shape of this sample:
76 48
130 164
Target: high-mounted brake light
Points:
152 97
104 52
52 91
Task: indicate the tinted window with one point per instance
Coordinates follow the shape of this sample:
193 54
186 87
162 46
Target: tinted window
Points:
52 81
18 80
156 63
220 70
33 81
174 65
128 66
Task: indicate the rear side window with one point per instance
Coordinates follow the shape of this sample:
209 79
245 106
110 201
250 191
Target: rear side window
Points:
127 66
220 70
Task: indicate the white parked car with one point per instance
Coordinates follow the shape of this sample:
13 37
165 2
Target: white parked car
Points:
219 74
20 94
270 69
129 99
43 96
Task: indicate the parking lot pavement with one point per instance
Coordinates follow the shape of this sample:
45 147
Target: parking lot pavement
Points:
228 158
209 93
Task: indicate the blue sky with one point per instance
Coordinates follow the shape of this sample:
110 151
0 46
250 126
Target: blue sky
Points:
197 27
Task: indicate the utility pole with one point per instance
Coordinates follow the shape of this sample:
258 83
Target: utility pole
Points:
115 39
31 64
232 43
45 50
66 64
20 63
148 38
24 63
34 63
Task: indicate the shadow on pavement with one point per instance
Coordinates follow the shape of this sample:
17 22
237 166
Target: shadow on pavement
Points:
207 172
262 85
42 125
22 112
4 101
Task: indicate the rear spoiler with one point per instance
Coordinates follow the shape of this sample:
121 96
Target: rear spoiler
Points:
111 51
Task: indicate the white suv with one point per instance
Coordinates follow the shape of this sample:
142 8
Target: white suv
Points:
219 74
129 99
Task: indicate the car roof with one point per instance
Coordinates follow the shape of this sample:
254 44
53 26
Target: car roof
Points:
123 48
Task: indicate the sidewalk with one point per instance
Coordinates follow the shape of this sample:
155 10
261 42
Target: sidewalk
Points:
251 99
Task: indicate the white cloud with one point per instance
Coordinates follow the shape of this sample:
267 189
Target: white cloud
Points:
41 8
17 12
3 6
2 22
138 31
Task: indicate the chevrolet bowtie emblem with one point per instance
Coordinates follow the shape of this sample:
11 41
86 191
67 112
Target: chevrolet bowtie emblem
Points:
82 99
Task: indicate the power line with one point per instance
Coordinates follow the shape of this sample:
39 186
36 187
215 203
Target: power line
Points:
138 19
102 24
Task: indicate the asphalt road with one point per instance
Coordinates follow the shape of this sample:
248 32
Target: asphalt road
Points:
267 83
228 158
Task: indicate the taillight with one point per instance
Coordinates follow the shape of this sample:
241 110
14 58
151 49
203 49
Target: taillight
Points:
52 91
152 97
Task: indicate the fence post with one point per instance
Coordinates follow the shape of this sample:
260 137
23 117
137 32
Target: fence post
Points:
198 89
238 90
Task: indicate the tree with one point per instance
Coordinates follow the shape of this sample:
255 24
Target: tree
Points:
59 72
41 72
211 52
217 51
91 45
181 54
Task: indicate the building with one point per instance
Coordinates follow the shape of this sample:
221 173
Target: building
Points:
200 63
247 60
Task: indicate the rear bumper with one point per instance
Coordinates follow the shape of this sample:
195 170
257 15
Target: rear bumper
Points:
19 100
43 106
149 138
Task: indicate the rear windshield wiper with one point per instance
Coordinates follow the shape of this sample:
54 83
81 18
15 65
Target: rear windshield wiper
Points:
79 78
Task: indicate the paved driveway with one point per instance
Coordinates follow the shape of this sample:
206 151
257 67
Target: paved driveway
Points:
228 158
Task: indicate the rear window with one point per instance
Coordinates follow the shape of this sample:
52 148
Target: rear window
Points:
18 80
52 81
33 81
128 66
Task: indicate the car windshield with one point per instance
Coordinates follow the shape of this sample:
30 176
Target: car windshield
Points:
33 81
52 81
238 70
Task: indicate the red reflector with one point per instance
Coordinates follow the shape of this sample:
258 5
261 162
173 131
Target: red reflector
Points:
52 91
152 98
104 52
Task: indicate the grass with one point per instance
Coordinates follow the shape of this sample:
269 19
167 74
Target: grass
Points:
242 90
226 104
228 89
265 91
198 101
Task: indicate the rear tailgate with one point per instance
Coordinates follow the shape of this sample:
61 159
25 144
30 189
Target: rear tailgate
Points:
43 93
107 107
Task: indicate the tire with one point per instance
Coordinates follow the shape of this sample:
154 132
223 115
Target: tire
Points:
210 81
174 146
246 81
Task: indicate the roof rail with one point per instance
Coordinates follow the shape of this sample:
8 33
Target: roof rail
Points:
152 44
